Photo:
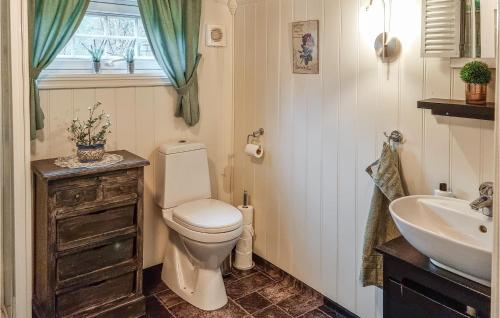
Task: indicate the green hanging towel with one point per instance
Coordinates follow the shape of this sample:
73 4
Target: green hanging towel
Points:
380 227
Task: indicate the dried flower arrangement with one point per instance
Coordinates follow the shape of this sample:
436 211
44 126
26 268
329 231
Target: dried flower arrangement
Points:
90 135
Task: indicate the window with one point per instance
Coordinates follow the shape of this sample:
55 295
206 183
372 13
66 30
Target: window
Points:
118 24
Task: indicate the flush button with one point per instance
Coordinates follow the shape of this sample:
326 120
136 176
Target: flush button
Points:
483 229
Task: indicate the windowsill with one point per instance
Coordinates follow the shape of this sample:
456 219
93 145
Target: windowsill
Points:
107 80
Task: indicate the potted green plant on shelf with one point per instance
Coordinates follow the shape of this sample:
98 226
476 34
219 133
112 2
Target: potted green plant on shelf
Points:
129 57
476 76
96 51
90 135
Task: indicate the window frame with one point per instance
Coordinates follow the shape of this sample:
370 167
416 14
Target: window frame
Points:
71 69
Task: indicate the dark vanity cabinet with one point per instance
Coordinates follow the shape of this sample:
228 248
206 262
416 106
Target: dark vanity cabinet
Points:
415 288
88 239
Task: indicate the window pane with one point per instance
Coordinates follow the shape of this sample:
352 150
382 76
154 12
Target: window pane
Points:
80 50
121 26
140 29
68 49
144 50
92 25
117 47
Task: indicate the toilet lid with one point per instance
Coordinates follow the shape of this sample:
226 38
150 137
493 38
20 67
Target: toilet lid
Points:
208 216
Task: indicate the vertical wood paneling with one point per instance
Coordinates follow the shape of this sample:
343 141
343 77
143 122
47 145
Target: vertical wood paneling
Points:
125 117
323 130
271 118
260 199
299 160
330 123
366 152
346 271
313 212
287 141
61 114
107 97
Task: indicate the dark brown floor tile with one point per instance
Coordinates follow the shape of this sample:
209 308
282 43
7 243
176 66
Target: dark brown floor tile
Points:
152 282
168 298
316 314
302 303
253 302
186 310
154 309
231 310
247 285
271 312
229 279
281 290
271 270
240 273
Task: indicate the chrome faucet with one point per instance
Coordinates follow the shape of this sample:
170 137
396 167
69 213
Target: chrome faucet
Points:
485 200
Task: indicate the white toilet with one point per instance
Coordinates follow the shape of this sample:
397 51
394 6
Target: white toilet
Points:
201 231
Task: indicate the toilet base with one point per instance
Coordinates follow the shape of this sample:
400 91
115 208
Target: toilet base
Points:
201 287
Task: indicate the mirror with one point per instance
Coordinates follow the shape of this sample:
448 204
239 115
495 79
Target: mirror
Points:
479 28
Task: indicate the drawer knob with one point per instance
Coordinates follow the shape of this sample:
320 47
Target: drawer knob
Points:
77 196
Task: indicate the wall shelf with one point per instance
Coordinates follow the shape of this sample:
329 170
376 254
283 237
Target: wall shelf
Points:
458 108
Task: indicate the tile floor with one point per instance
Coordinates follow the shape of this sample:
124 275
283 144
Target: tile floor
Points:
264 291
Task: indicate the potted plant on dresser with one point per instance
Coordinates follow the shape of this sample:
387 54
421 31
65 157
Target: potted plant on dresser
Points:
476 76
90 135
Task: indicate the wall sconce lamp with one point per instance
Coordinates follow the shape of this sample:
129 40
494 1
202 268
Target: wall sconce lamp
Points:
386 47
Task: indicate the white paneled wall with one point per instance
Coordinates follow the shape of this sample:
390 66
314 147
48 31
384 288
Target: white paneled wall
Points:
143 118
310 192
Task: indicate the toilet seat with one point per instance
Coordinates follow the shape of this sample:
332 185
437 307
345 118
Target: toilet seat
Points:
232 231
208 216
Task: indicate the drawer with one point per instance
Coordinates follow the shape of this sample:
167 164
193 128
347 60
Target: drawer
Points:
96 294
125 190
403 301
80 228
72 197
73 265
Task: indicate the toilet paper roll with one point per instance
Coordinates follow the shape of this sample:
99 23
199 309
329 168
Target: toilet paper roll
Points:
256 151
247 213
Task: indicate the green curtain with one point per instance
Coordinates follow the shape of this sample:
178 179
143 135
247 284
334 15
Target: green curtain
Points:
52 23
173 27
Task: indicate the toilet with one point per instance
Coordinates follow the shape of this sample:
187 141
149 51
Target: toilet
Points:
201 231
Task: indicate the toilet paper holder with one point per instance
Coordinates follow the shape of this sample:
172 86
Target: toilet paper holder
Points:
259 132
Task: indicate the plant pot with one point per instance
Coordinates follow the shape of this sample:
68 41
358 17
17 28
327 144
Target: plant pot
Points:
131 67
96 66
90 153
476 93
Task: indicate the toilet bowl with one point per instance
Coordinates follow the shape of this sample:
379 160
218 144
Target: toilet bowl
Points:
201 231
193 258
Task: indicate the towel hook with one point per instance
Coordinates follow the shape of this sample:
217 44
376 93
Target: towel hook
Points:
396 136
259 132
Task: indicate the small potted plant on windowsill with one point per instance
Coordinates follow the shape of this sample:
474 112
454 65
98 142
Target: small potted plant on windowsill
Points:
96 52
476 76
90 135
129 57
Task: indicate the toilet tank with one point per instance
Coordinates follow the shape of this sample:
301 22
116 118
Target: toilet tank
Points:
181 174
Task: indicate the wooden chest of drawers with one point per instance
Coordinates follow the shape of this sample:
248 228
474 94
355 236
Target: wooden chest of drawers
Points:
88 239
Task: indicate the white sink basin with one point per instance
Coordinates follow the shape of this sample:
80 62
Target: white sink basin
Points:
449 232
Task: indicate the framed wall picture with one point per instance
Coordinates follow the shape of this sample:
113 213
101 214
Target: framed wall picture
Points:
305 43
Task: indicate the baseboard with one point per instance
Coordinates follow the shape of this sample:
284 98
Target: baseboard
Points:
333 306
